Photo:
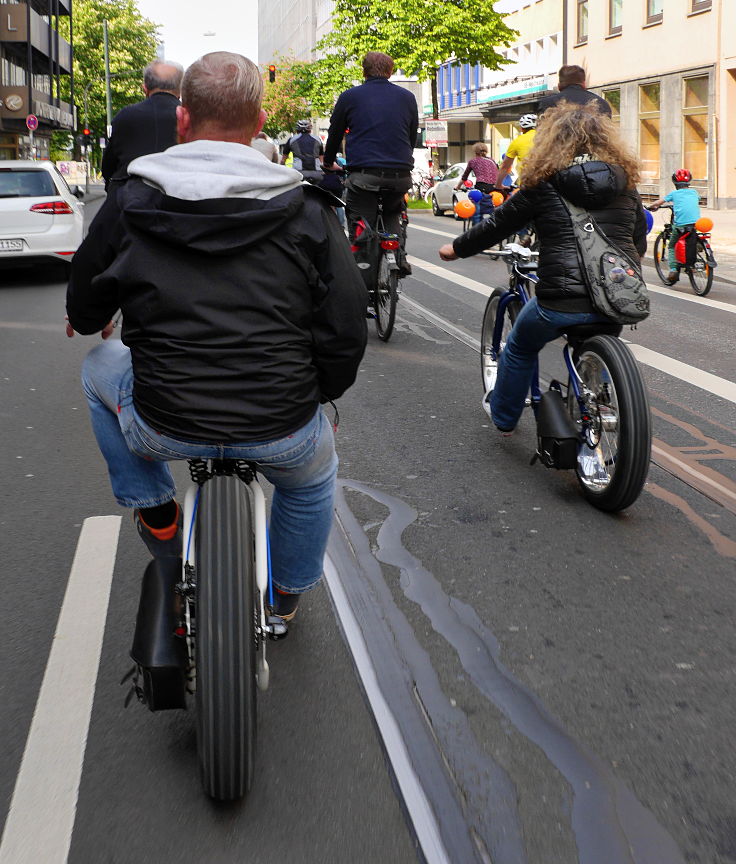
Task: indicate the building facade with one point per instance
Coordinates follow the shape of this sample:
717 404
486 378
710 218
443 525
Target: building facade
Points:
481 104
33 58
677 102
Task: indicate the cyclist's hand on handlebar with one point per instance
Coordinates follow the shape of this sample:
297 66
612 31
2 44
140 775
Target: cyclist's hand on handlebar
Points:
653 208
106 331
447 253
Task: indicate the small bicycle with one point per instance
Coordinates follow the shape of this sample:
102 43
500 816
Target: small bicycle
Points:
203 622
600 426
376 258
702 261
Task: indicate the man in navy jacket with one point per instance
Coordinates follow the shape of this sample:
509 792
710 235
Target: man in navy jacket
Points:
145 127
379 122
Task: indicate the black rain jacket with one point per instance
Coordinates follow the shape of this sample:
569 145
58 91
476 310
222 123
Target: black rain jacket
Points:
241 314
597 186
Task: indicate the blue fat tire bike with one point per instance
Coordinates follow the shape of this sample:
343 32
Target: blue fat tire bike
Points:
605 435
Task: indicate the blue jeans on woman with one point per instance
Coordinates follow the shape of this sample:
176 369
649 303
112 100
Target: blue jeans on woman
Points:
534 328
301 466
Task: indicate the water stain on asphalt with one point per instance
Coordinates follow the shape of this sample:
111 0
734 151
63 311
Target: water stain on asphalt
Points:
609 823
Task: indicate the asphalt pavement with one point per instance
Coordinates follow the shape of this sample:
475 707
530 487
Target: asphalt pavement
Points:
493 671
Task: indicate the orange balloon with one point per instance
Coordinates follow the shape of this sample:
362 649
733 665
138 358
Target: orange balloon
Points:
465 209
497 198
704 224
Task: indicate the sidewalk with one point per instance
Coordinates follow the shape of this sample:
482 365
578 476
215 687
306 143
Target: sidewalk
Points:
722 241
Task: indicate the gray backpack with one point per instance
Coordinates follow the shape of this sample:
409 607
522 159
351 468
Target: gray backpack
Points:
616 287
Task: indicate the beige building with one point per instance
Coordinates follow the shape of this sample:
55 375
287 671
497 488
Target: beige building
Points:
668 69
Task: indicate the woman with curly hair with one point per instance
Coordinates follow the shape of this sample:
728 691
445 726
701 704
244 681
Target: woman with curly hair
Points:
579 156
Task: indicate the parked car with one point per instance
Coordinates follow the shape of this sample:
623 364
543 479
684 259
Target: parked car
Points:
443 195
41 217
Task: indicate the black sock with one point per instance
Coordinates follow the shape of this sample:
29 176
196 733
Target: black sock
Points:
161 516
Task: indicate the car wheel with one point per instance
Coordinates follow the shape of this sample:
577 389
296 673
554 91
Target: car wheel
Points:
454 212
436 209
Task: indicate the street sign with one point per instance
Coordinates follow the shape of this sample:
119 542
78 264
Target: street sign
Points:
436 133
32 122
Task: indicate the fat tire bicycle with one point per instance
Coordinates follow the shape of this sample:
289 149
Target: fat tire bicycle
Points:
211 622
700 272
601 424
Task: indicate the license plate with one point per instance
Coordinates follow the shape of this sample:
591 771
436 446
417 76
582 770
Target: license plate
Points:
11 245
390 257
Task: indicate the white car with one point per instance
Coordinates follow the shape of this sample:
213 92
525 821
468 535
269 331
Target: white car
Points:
40 216
443 195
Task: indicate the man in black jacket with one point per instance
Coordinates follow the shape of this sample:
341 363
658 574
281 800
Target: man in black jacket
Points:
145 127
571 87
243 310
379 122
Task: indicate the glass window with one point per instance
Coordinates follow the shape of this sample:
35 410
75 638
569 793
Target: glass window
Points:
25 184
582 19
654 11
700 5
649 131
613 97
695 126
615 8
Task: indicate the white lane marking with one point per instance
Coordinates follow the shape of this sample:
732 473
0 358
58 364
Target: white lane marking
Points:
43 808
425 825
655 289
684 372
443 272
689 374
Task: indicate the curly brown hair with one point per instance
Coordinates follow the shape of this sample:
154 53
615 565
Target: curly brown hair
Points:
568 130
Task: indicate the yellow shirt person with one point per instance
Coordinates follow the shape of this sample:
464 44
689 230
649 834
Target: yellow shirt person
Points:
519 148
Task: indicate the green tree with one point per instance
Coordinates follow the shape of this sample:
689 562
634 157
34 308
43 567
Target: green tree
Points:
419 34
132 45
285 100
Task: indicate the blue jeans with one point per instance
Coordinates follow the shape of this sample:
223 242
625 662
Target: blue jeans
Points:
301 466
534 328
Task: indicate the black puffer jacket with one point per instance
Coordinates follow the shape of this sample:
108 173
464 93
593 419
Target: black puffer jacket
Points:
597 186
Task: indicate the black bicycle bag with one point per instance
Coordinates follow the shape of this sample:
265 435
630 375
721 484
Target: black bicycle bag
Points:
159 654
557 436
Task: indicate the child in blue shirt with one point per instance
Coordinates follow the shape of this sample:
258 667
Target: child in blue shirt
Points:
686 206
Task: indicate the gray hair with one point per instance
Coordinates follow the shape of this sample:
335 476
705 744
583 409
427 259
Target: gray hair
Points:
223 89
163 75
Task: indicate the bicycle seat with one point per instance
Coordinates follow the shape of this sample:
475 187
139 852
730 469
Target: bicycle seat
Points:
580 332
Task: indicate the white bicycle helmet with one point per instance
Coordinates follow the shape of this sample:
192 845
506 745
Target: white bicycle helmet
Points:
303 126
528 121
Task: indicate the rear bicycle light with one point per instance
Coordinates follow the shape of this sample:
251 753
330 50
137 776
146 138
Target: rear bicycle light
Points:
389 244
53 208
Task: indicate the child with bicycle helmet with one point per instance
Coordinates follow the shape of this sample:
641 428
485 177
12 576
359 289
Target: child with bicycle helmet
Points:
686 206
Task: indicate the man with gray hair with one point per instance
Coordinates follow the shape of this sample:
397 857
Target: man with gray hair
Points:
243 311
145 127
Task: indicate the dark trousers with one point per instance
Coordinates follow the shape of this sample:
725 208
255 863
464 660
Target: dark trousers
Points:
362 191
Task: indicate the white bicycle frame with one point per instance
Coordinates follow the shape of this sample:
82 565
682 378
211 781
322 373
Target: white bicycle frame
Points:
258 502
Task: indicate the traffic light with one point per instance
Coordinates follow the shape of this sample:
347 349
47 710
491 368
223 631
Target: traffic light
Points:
87 133
271 73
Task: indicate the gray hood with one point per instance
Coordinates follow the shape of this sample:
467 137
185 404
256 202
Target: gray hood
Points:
202 170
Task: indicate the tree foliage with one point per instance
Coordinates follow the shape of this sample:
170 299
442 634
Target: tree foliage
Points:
419 34
132 45
285 100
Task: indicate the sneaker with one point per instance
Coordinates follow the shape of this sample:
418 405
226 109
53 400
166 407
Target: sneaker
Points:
672 277
285 605
161 542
